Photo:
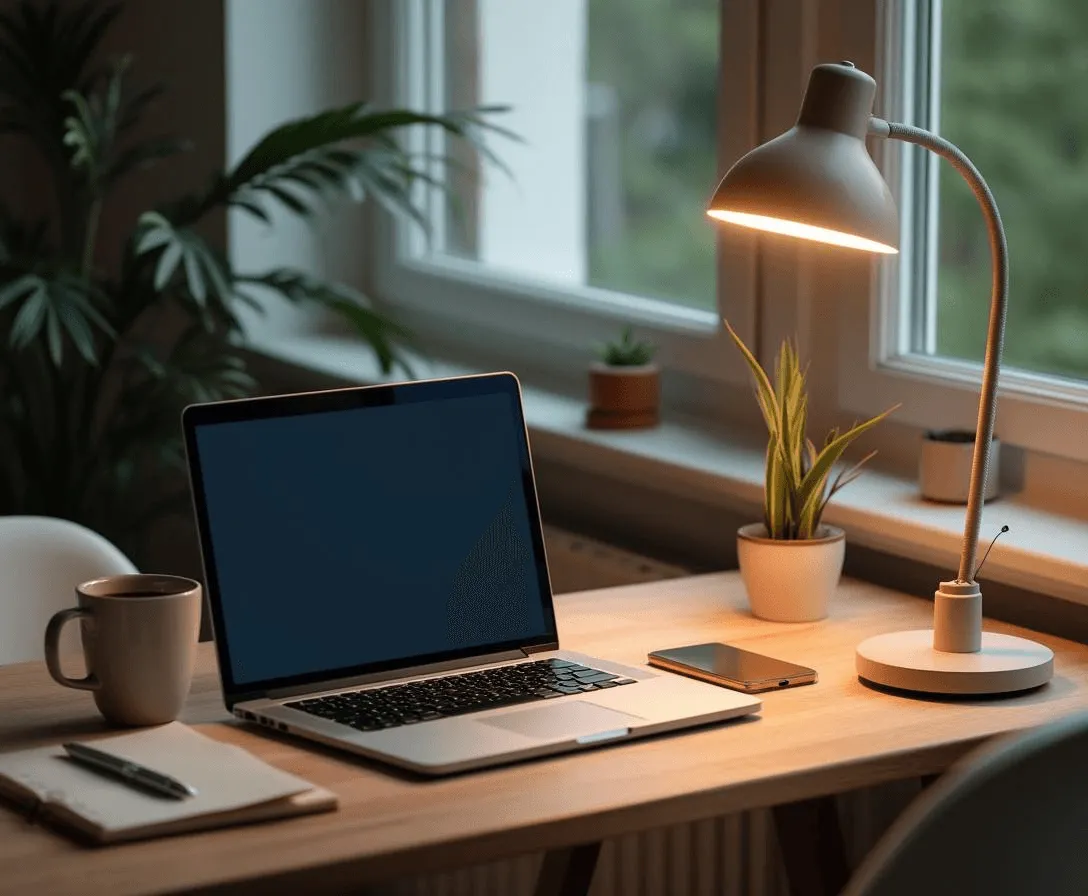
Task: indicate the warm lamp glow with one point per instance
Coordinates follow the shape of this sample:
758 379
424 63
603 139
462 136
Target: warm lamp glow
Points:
802 231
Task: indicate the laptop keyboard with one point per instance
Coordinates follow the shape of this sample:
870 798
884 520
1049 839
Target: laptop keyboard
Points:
454 695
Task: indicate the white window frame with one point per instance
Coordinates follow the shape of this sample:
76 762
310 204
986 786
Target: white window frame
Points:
1035 412
447 300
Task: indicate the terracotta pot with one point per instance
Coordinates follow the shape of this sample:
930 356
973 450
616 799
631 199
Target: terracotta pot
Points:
623 397
790 581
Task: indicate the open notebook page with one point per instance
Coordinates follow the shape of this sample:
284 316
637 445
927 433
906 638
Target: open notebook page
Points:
225 776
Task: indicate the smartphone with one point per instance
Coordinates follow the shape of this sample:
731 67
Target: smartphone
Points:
732 667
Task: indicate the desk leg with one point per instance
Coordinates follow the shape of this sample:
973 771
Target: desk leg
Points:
569 871
812 846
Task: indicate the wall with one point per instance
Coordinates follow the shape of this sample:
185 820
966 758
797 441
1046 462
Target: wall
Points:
285 59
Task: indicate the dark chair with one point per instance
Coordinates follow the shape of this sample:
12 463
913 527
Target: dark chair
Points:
1012 818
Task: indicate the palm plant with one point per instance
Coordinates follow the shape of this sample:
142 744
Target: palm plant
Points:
798 481
88 401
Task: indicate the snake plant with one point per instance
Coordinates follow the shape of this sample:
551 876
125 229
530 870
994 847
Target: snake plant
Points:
798 477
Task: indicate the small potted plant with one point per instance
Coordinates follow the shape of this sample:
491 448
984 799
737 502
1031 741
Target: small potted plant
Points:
791 562
624 385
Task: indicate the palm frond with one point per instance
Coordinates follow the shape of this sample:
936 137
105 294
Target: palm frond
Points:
199 367
205 276
64 308
347 151
381 333
351 122
93 133
45 50
84 133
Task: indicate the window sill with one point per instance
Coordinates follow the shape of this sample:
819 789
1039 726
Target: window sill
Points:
1042 553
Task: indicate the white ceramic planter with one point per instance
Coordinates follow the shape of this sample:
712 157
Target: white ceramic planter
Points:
944 467
790 581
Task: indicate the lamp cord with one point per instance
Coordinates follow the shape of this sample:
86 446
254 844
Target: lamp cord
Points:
1003 530
987 406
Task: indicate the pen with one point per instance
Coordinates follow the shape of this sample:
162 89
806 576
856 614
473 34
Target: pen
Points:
130 772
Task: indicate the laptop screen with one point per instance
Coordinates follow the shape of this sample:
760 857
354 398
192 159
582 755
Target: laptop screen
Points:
368 529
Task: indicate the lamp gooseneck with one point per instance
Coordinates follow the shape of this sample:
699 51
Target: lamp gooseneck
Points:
987 406
957 611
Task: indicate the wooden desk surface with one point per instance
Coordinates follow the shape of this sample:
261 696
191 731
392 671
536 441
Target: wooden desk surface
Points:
810 741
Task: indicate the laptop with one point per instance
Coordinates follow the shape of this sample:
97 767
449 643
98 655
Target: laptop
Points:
375 568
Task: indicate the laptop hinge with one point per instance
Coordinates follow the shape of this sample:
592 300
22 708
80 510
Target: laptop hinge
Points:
394 674
542 648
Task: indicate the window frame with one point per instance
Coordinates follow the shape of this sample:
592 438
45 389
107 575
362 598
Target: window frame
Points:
1035 412
546 326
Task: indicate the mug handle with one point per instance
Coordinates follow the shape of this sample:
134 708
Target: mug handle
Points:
52 649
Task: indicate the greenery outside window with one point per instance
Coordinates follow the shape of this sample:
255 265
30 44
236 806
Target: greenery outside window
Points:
1011 95
626 116
1001 81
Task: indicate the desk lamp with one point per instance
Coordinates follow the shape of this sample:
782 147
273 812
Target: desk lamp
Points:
817 182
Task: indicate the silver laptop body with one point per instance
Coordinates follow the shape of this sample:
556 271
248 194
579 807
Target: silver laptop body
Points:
373 555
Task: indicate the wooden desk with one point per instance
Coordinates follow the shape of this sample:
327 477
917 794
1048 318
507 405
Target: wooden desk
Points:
810 742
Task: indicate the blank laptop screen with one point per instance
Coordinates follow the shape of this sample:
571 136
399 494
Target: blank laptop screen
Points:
371 536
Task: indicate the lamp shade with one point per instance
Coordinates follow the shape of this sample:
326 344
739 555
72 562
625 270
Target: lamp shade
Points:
817 180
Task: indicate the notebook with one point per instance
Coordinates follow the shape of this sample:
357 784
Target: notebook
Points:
233 787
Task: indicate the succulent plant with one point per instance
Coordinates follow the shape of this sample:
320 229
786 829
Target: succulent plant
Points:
627 351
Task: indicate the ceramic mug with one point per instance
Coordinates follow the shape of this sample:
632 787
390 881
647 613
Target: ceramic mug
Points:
139 641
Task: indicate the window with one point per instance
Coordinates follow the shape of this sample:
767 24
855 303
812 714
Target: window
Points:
600 219
1002 82
616 102
1012 96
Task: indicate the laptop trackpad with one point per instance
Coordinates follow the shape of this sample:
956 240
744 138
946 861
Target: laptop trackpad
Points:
569 719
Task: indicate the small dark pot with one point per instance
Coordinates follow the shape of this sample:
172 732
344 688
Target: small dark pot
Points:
944 467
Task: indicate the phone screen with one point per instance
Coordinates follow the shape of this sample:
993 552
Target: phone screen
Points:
732 663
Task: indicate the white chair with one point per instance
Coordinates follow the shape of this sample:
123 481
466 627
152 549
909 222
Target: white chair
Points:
42 559
1012 818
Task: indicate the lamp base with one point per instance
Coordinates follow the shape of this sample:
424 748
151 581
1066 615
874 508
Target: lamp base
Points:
907 661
